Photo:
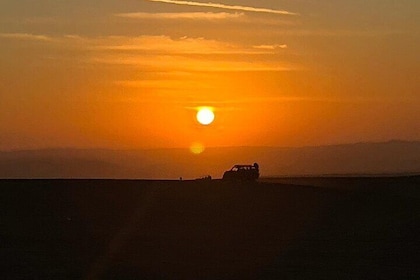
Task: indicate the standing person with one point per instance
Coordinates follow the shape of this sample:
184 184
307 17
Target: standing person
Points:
256 166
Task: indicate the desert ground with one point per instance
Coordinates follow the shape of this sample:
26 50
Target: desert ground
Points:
283 228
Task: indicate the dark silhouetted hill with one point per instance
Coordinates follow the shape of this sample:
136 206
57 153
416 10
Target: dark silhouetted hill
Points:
395 157
141 229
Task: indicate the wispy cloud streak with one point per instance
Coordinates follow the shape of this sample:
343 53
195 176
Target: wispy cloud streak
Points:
270 47
25 36
226 7
167 45
192 16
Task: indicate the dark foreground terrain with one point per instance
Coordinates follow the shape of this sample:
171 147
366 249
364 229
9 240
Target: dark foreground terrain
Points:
294 228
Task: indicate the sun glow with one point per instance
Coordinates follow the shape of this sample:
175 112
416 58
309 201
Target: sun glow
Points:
197 148
205 115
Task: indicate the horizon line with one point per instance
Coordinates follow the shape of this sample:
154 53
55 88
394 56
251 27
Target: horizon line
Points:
210 147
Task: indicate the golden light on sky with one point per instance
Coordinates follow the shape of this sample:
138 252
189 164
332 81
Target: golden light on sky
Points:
125 74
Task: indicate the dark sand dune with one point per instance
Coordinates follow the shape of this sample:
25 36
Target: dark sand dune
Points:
329 228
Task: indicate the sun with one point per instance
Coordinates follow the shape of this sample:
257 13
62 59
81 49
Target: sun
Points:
205 115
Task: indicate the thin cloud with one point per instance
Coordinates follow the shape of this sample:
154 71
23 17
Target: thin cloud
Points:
271 99
335 33
226 7
184 64
165 44
157 54
25 36
162 53
190 16
270 47
161 84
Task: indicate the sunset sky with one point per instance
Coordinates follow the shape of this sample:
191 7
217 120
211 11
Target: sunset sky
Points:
130 74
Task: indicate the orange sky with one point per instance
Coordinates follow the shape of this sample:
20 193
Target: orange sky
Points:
130 74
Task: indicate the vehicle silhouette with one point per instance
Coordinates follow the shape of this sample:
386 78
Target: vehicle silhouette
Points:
242 173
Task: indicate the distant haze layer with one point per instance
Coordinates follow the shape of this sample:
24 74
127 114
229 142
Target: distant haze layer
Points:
394 157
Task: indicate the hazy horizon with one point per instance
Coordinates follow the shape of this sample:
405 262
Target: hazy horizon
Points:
210 147
395 157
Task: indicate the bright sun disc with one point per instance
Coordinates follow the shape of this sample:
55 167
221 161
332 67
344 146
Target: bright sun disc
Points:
205 116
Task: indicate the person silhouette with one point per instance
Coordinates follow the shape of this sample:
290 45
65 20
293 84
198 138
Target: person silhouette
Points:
256 166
